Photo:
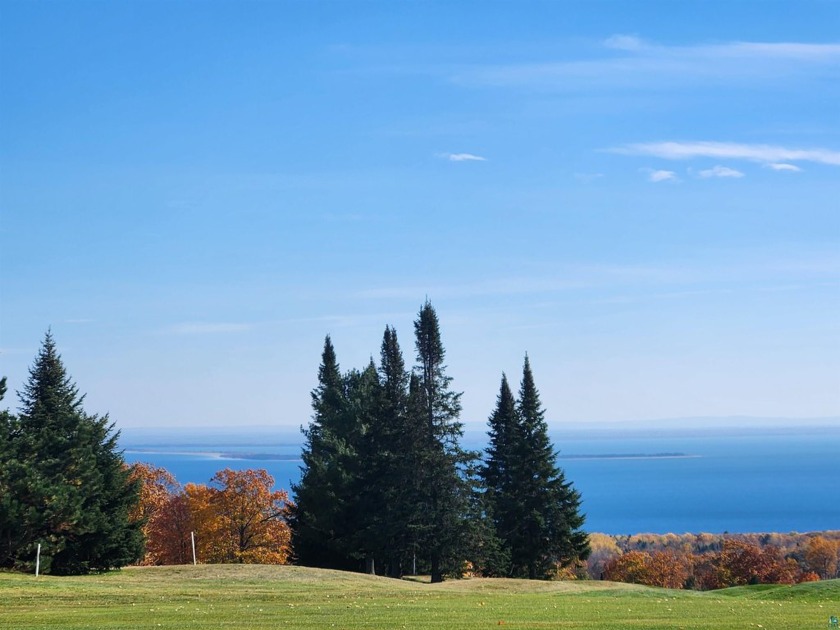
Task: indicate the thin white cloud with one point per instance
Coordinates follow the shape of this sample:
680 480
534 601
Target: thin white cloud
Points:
729 150
206 328
781 166
634 63
785 50
462 157
587 178
657 176
625 42
720 171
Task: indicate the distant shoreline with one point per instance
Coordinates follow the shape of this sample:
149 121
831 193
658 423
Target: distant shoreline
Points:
216 454
632 456
222 455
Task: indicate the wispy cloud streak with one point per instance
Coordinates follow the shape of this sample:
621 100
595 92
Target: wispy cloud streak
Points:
657 176
791 168
720 171
729 150
462 157
629 61
206 328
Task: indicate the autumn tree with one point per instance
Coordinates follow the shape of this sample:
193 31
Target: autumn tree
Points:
170 537
821 556
213 545
666 569
603 549
740 563
250 517
158 489
630 568
67 486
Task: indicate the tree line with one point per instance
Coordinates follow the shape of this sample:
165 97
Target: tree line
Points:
386 486
708 561
237 518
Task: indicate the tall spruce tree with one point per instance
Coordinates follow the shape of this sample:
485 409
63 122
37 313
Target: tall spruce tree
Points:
499 469
323 501
9 504
368 440
445 491
548 530
68 486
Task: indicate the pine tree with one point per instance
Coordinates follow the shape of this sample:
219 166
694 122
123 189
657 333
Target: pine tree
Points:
319 518
442 463
399 454
498 471
547 532
69 484
10 529
365 467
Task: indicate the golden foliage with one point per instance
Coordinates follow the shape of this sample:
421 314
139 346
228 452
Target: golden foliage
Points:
239 518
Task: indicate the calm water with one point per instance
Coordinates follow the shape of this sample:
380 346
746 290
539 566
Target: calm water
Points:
751 483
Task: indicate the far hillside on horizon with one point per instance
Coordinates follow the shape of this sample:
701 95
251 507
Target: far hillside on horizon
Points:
476 432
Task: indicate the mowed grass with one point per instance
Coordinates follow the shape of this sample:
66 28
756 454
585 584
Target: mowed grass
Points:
294 597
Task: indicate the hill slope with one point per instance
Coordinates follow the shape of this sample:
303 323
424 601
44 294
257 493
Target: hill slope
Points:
257 597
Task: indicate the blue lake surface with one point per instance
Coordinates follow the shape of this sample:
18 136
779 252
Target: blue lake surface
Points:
725 483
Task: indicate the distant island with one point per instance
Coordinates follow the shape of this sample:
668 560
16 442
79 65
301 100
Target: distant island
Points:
286 457
629 456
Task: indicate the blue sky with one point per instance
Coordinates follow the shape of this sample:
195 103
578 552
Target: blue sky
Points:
643 196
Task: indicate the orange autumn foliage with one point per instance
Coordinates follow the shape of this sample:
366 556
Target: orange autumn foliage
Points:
157 487
237 519
660 568
250 518
822 555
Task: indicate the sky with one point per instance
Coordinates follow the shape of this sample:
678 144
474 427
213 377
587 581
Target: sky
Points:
643 197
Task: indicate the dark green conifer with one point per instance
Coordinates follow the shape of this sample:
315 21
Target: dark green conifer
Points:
68 485
399 455
322 497
442 462
498 473
547 532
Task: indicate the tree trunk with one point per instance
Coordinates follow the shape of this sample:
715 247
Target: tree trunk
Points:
437 575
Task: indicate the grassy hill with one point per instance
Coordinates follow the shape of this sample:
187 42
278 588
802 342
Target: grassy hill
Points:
256 597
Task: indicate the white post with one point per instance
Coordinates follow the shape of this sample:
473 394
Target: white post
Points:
38 561
192 537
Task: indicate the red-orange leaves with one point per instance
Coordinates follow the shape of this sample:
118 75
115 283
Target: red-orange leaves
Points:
238 518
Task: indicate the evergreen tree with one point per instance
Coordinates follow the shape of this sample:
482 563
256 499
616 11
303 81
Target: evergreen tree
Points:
399 453
442 462
68 486
366 467
323 497
547 531
498 472
10 529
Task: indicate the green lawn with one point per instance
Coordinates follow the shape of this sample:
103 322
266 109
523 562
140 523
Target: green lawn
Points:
294 597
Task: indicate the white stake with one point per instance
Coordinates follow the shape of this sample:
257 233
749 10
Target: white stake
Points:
192 537
38 561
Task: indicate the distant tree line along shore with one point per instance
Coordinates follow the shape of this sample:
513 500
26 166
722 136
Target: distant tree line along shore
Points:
386 488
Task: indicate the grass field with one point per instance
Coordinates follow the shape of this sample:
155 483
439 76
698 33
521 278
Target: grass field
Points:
294 597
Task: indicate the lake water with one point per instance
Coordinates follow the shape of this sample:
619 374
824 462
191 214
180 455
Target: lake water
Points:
785 481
